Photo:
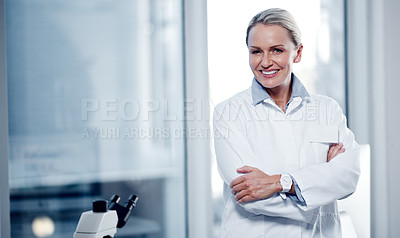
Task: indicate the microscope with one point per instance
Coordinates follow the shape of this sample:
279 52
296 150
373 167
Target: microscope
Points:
104 219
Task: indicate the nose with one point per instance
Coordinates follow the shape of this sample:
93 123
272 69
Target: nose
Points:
266 61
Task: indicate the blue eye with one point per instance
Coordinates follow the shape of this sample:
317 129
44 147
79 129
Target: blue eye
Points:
275 50
255 52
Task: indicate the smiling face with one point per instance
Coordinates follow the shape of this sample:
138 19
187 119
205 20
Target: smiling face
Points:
271 55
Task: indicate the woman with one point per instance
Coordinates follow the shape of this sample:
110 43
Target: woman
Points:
285 156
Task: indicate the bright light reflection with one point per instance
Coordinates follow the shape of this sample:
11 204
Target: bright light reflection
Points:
43 226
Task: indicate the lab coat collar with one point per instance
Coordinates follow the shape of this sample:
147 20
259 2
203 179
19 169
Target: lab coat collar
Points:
259 94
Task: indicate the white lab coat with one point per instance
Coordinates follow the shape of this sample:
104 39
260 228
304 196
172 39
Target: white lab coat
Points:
295 142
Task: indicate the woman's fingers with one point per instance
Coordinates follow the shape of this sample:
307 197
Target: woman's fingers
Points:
239 187
253 185
237 181
240 195
245 198
245 169
334 150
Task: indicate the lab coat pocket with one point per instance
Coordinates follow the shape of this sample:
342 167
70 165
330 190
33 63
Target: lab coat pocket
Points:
320 138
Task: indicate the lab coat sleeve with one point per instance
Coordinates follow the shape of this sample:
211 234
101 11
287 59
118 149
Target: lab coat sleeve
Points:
234 151
324 183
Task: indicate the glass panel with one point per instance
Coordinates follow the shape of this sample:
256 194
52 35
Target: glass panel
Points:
322 68
95 93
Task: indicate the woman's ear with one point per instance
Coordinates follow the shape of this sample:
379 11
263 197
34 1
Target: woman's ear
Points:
298 54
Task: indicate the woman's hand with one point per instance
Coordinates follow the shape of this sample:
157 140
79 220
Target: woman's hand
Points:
254 185
334 150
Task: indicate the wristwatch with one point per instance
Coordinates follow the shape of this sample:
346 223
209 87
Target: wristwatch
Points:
286 183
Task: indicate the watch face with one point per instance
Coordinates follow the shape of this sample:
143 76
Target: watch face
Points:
286 182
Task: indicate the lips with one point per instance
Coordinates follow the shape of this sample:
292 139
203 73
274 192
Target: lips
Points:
269 73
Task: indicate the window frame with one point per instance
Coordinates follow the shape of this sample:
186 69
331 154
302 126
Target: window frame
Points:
4 187
198 151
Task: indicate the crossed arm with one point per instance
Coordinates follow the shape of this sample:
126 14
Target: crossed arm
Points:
255 184
336 179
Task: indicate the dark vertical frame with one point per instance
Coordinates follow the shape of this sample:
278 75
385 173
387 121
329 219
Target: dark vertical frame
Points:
4 187
346 59
185 152
198 151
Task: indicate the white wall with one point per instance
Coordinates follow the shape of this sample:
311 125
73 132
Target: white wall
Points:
374 53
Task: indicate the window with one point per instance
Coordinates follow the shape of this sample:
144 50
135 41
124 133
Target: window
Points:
94 93
322 68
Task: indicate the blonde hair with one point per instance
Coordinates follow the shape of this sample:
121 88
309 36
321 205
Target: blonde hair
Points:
276 16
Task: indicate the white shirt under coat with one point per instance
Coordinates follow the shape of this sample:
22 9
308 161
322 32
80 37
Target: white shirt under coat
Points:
250 129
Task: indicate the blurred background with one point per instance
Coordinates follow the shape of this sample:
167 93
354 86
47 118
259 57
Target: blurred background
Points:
102 97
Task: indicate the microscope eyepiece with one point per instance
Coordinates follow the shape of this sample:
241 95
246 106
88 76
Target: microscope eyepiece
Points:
131 203
115 199
123 212
100 205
